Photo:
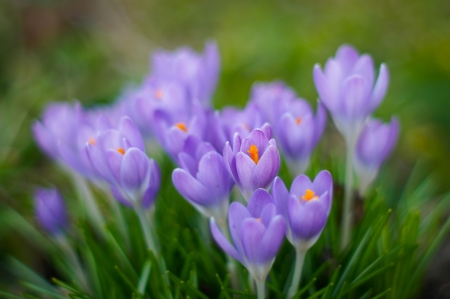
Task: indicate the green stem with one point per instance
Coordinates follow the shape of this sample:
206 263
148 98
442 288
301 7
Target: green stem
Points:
149 240
260 288
299 259
347 216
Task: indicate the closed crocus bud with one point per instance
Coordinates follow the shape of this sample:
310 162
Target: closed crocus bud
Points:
253 162
374 145
348 89
257 233
198 74
305 208
298 131
50 210
203 180
119 156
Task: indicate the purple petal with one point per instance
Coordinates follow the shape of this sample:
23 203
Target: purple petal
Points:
272 239
245 168
99 162
280 196
364 67
153 188
267 130
222 241
252 234
190 188
267 168
268 213
187 163
134 173
230 163
45 139
129 130
347 56
355 95
258 201
323 183
115 163
299 186
322 86
236 215
119 196
307 220
380 88
257 138
214 176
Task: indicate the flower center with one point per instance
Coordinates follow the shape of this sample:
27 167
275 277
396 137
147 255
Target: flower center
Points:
298 120
121 150
309 194
159 94
258 219
91 141
253 152
181 126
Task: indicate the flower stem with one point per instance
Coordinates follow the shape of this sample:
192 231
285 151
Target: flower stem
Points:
260 287
347 216
299 259
146 229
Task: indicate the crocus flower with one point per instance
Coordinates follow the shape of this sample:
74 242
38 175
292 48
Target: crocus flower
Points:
348 89
253 162
373 147
305 208
50 210
197 73
257 233
298 131
203 180
119 156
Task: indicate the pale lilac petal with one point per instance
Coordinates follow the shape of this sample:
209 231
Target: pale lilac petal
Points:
115 163
222 241
267 168
190 188
272 239
252 234
134 173
347 56
307 220
299 186
280 196
119 196
355 97
268 213
129 130
322 87
258 201
245 168
364 67
230 163
380 88
214 176
236 215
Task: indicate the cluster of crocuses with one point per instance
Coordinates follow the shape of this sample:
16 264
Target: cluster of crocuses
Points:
217 150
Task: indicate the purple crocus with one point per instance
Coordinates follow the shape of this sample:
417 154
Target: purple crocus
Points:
298 131
348 89
257 232
198 74
373 147
119 157
305 209
50 210
253 162
203 179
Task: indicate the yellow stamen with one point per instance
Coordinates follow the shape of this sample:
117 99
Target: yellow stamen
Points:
253 151
309 194
121 150
181 126
298 120
91 141
159 94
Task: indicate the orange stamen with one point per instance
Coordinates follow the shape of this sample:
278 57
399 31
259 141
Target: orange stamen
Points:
91 141
253 151
309 194
121 150
258 219
298 120
181 126
159 94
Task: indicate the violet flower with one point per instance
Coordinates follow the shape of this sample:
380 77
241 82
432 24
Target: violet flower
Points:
198 74
374 145
51 210
298 132
305 210
348 89
253 162
119 157
203 180
257 232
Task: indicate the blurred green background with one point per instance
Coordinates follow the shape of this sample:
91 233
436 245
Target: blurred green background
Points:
91 49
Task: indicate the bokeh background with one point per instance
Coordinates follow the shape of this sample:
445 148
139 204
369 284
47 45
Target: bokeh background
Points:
90 50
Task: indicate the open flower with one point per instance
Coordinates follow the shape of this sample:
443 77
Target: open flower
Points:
203 179
305 208
257 233
298 131
253 162
119 156
50 210
373 147
348 89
